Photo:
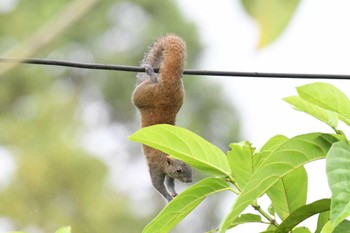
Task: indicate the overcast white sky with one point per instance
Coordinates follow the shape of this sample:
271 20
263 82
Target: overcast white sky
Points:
316 41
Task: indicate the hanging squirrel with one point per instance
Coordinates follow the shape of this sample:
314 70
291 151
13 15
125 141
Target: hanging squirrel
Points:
159 97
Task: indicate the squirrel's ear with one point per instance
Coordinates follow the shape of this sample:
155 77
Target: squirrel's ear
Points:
168 160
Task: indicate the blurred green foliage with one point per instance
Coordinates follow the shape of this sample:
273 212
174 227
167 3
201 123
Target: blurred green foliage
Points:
272 17
57 180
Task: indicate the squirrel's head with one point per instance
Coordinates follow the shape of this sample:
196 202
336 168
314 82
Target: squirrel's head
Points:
179 170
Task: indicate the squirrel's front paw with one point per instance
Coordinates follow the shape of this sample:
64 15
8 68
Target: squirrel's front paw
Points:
173 194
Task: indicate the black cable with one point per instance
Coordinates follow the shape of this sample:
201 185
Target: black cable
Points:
266 75
96 66
93 66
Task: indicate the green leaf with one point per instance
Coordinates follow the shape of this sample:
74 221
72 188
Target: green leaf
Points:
184 203
246 218
303 213
289 156
344 119
267 149
274 142
240 158
270 228
272 16
328 97
326 116
185 145
288 195
343 227
337 169
327 228
301 230
64 230
271 210
321 221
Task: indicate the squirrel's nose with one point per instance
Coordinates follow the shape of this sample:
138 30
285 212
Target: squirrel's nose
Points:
188 180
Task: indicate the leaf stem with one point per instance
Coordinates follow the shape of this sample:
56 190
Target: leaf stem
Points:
264 214
338 131
232 180
254 204
234 191
341 133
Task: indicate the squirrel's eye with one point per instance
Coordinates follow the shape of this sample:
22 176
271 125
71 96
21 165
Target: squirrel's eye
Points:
178 170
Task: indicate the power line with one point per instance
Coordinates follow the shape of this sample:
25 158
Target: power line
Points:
93 66
97 66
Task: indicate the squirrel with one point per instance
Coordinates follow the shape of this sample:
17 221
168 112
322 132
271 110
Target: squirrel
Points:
158 98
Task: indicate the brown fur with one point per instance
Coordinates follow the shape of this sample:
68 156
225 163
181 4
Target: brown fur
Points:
159 97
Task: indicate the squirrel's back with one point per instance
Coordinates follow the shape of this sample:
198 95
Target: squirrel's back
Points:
161 97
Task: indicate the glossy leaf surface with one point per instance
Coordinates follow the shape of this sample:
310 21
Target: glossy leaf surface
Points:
289 156
184 203
185 145
337 169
